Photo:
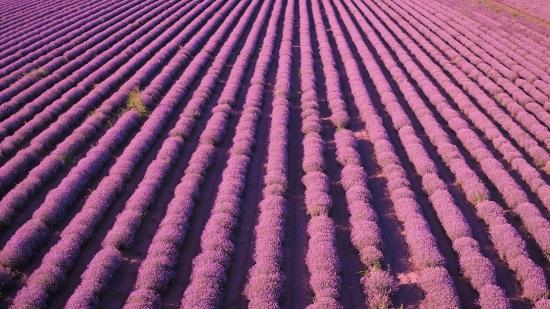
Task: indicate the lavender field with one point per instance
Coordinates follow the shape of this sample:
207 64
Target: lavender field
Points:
275 154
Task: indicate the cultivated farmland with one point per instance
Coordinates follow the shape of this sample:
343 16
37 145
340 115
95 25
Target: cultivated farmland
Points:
274 154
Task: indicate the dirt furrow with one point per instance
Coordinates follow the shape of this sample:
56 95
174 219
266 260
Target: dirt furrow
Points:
505 278
351 295
297 293
242 260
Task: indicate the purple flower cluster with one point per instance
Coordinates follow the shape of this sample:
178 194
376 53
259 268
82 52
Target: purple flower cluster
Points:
82 226
510 190
490 212
35 19
17 197
95 279
477 268
129 220
439 288
155 272
265 282
109 59
517 111
424 252
535 8
539 155
321 259
209 267
27 239
52 67
365 233
30 47
494 169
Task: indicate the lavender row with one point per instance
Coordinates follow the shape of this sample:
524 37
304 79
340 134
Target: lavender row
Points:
321 259
53 210
36 66
499 25
55 36
505 84
72 144
265 280
382 145
489 50
122 234
508 187
514 78
20 10
154 274
425 255
529 35
37 21
102 66
77 111
15 25
55 68
34 98
534 8
527 120
55 160
365 232
210 266
525 65
518 48
27 42
378 283
14 8
81 228
530 174
517 26
28 238
504 236
453 221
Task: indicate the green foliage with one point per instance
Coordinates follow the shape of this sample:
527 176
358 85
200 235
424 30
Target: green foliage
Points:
134 101
68 160
43 73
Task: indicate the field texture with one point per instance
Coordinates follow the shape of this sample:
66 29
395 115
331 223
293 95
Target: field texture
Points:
273 154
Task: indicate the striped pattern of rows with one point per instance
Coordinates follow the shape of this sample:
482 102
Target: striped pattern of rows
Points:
273 154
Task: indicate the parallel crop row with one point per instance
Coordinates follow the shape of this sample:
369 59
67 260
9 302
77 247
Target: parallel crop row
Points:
36 97
513 195
90 89
43 72
20 20
61 257
32 234
208 276
506 92
427 259
148 284
269 154
31 48
266 279
507 241
365 234
477 268
322 259
72 144
121 236
537 8
525 42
